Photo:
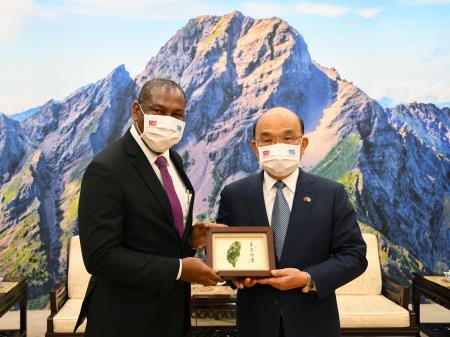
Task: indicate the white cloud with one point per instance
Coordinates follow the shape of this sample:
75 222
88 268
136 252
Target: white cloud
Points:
440 51
14 14
13 104
322 9
264 10
369 12
410 91
139 9
429 2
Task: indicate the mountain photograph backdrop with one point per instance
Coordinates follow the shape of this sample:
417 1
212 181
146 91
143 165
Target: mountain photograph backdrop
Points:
393 162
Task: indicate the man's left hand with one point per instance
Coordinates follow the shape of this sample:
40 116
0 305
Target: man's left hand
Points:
198 235
246 282
286 279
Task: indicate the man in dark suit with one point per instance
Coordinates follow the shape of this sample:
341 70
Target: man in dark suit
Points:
135 222
317 240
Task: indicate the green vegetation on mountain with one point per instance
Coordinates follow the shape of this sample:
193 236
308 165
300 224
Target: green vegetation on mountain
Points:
23 253
341 159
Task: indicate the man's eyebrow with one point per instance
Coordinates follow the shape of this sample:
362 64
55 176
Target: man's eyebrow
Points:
265 133
286 131
156 105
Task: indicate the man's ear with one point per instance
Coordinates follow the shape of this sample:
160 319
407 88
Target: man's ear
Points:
135 111
255 148
304 145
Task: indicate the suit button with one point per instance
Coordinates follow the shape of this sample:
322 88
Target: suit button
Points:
276 302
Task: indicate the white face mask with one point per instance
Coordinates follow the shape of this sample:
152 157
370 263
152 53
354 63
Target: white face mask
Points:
279 160
161 132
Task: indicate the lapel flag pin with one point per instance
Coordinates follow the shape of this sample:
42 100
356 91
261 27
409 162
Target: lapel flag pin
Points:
306 200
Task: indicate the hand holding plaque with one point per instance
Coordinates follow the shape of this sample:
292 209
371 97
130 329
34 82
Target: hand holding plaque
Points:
198 234
238 252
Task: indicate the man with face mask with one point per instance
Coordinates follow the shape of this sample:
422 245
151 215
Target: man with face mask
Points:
135 222
318 243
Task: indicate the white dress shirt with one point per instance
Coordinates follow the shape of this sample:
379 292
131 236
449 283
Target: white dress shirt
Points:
180 188
270 191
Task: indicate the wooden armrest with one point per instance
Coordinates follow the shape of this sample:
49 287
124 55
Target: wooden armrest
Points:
395 292
58 296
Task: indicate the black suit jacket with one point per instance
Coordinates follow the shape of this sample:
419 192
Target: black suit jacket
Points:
131 247
323 238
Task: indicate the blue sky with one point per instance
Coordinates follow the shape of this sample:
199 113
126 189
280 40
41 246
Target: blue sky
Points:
398 49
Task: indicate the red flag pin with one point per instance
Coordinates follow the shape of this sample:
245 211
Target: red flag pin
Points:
306 200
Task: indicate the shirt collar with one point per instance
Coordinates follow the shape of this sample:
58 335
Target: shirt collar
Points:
290 181
151 155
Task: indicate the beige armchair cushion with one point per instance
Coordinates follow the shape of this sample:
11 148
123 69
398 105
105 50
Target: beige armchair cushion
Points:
370 311
202 322
77 276
65 319
369 283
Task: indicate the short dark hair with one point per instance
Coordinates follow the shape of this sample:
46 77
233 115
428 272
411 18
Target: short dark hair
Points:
302 125
147 88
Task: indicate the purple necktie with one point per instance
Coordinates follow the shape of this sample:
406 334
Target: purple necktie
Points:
175 205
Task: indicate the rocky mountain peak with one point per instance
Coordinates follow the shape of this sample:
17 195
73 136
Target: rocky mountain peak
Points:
12 147
393 162
426 122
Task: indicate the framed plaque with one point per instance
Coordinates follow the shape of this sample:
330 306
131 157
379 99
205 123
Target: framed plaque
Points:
241 251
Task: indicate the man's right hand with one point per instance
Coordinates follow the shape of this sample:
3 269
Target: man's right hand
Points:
195 270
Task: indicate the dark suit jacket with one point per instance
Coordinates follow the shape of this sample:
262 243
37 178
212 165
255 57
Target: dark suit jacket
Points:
323 238
131 247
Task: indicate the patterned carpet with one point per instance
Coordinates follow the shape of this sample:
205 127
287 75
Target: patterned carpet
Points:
228 331
436 329
430 329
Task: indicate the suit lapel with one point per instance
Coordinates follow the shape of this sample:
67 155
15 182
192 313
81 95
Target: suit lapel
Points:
254 197
303 201
149 176
179 167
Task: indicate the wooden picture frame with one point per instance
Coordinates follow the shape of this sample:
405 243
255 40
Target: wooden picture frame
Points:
241 251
